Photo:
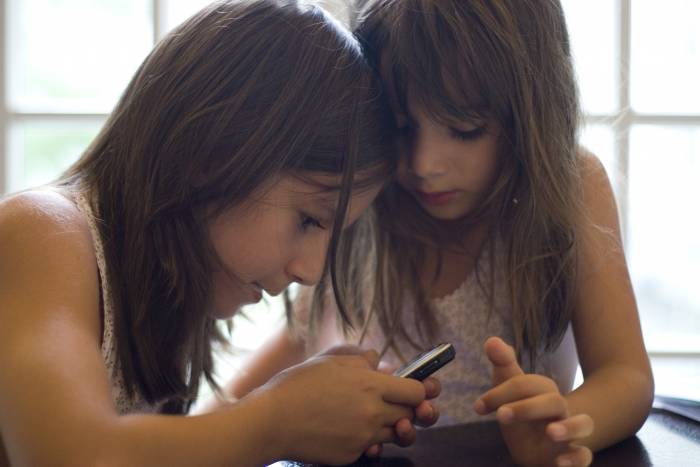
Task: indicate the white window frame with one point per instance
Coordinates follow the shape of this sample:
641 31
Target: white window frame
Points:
9 115
4 117
623 119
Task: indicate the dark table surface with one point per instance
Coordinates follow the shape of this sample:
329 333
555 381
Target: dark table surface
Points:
665 439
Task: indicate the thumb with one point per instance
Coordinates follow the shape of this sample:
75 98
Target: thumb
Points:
503 359
346 349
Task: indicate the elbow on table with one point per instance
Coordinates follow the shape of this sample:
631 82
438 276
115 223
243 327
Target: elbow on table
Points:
644 383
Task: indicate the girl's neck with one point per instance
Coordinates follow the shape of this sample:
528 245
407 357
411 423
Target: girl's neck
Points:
456 256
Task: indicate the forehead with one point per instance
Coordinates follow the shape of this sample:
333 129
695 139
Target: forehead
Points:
320 189
446 93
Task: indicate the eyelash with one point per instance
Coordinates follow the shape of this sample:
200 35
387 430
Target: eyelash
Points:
308 221
470 135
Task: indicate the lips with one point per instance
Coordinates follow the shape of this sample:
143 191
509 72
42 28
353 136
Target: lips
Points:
436 198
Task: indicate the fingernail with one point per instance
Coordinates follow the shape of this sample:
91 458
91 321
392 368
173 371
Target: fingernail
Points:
564 462
558 430
505 414
479 407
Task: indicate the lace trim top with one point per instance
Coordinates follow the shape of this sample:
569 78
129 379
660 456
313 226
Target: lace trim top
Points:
122 402
465 320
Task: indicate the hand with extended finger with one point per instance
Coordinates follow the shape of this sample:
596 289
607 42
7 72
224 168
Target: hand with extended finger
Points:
533 415
331 408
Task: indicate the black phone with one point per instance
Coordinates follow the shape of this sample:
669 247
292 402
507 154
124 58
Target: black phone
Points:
427 363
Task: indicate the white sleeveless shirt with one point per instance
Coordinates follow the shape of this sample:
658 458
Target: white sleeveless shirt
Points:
466 322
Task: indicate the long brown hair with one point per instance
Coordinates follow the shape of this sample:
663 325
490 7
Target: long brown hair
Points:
240 92
512 63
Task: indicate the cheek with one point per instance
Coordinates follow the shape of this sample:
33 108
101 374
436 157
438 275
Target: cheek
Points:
484 166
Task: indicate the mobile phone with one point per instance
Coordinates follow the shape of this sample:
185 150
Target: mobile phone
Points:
427 363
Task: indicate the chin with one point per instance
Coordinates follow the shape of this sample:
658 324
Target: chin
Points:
446 213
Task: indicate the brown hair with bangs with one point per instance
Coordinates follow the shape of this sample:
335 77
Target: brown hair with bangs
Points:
507 60
239 93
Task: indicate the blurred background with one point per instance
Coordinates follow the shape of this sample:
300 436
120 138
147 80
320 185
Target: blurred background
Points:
63 64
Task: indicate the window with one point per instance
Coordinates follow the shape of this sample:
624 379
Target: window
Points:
638 64
63 65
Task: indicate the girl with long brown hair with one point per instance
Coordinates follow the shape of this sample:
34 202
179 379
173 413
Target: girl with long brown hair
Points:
499 228
244 144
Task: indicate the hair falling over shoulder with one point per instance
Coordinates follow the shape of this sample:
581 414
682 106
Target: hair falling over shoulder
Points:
239 93
508 60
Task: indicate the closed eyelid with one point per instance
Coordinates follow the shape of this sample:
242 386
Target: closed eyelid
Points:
472 129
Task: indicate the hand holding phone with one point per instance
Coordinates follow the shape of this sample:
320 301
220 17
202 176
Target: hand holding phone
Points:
427 363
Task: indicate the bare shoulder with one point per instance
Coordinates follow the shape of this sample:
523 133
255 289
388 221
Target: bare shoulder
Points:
47 260
37 206
599 205
593 174
32 221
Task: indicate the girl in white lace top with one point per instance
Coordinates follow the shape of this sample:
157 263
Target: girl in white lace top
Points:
245 143
501 234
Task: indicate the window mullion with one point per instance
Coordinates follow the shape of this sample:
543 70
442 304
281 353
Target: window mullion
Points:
158 11
621 128
3 99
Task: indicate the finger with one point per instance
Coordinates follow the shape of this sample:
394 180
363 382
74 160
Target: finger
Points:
502 357
512 390
576 456
404 391
571 429
392 413
432 387
386 434
374 450
344 350
405 432
426 414
357 361
551 405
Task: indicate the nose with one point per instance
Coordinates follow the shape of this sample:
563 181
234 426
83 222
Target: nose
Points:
307 266
423 154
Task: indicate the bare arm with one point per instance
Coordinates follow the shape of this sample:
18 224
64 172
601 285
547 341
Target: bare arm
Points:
618 386
539 424
280 352
55 394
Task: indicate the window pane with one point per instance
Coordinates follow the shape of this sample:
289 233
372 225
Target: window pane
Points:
74 55
664 233
177 11
592 29
41 150
665 56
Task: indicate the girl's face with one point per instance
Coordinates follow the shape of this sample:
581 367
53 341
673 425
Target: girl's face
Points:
448 168
279 236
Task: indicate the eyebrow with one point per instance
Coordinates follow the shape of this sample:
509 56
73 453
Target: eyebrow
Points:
329 207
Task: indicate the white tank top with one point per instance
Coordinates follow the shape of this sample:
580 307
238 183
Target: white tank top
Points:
465 321
123 404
